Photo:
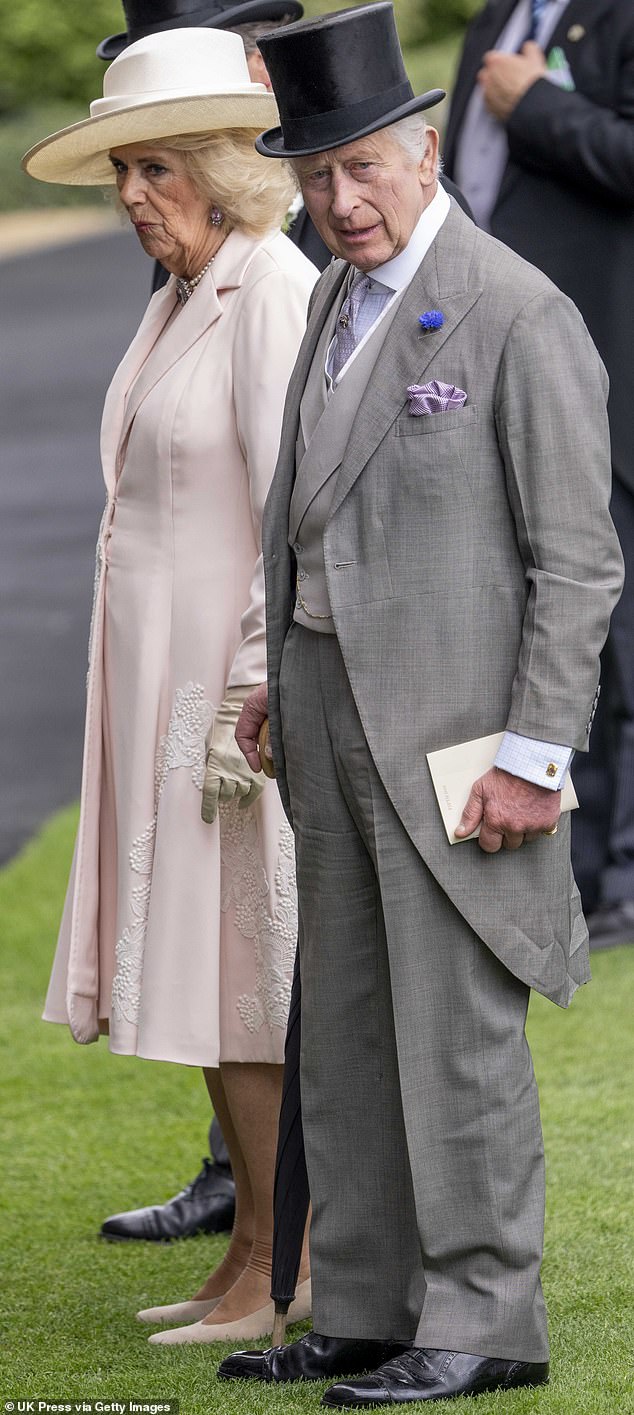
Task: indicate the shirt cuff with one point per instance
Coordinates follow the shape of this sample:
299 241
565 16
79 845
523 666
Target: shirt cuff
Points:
544 763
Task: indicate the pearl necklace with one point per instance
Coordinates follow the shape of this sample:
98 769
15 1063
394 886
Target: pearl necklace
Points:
185 288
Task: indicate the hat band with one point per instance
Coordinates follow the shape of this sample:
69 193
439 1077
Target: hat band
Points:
330 129
126 102
174 17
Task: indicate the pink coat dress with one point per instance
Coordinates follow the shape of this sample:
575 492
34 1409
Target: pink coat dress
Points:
177 937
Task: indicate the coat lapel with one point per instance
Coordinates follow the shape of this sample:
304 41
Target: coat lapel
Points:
158 311
441 282
187 326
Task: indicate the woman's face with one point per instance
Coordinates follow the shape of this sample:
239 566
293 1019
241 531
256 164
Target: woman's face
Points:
169 215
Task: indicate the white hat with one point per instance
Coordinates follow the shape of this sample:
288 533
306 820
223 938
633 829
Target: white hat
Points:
178 81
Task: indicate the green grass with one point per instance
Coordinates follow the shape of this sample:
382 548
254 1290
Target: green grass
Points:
86 1133
434 65
18 133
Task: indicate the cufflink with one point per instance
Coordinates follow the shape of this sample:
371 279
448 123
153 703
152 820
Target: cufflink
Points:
551 769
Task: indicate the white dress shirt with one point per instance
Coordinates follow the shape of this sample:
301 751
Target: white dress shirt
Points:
389 279
483 150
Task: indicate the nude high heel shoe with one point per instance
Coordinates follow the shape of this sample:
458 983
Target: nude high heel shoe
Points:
249 1328
179 1311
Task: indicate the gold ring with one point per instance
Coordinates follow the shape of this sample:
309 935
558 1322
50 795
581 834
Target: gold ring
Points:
553 830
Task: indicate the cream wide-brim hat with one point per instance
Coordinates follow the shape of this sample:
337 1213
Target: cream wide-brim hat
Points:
179 81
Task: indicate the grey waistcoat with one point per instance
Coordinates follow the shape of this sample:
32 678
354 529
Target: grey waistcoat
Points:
325 426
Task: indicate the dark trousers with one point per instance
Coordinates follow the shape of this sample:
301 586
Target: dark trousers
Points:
217 1148
603 829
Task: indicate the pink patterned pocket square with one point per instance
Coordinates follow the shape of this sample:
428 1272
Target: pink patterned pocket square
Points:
434 397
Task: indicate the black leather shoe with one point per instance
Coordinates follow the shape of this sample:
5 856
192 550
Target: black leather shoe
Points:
434 1375
312 1358
612 925
207 1205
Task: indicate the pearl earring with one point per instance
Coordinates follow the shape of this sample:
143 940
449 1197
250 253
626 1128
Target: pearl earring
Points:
216 216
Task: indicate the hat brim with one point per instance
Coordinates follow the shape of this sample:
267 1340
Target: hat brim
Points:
245 14
78 156
112 47
271 143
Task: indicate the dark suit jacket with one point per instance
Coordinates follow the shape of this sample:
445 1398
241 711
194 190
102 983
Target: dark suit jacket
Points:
566 201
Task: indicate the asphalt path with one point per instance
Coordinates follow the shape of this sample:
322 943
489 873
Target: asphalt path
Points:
66 317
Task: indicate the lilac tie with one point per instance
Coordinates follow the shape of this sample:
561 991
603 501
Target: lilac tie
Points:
346 342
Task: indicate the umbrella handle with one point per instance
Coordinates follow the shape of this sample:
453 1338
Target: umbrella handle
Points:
266 762
280 1321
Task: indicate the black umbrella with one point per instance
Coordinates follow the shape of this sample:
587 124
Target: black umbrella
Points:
291 1196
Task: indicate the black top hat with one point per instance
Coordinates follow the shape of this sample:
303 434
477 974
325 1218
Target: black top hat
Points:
145 17
337 78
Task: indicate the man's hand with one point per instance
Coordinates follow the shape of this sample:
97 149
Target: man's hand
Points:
505 78
508 810
254 711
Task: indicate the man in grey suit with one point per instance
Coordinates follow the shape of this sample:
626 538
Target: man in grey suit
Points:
440 565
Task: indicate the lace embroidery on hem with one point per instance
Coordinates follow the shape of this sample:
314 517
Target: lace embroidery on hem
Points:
244 886
183 745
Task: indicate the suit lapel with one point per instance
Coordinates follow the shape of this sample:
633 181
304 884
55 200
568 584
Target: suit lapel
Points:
584 13
325 294
314 398
327 448
481 36
579 12
442 282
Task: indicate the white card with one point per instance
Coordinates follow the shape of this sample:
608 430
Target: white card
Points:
454 770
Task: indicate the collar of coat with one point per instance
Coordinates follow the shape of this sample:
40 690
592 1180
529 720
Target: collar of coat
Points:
132 380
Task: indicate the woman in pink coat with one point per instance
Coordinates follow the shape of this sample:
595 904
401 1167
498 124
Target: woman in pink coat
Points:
178 935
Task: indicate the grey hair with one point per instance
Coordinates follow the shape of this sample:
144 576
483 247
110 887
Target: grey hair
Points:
250 34
411 134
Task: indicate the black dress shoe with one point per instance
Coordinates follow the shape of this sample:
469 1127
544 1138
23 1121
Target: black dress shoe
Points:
207 1205
434 1375
612 925
312 1358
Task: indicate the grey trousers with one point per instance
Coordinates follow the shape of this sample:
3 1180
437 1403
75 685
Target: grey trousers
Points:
420 1107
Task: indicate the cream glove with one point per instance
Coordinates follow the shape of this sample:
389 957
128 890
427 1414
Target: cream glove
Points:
228 774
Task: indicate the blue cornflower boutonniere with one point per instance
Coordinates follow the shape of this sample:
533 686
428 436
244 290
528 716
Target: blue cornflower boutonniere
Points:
431 319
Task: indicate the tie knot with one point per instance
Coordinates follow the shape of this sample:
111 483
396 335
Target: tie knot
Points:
360 279
347 336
